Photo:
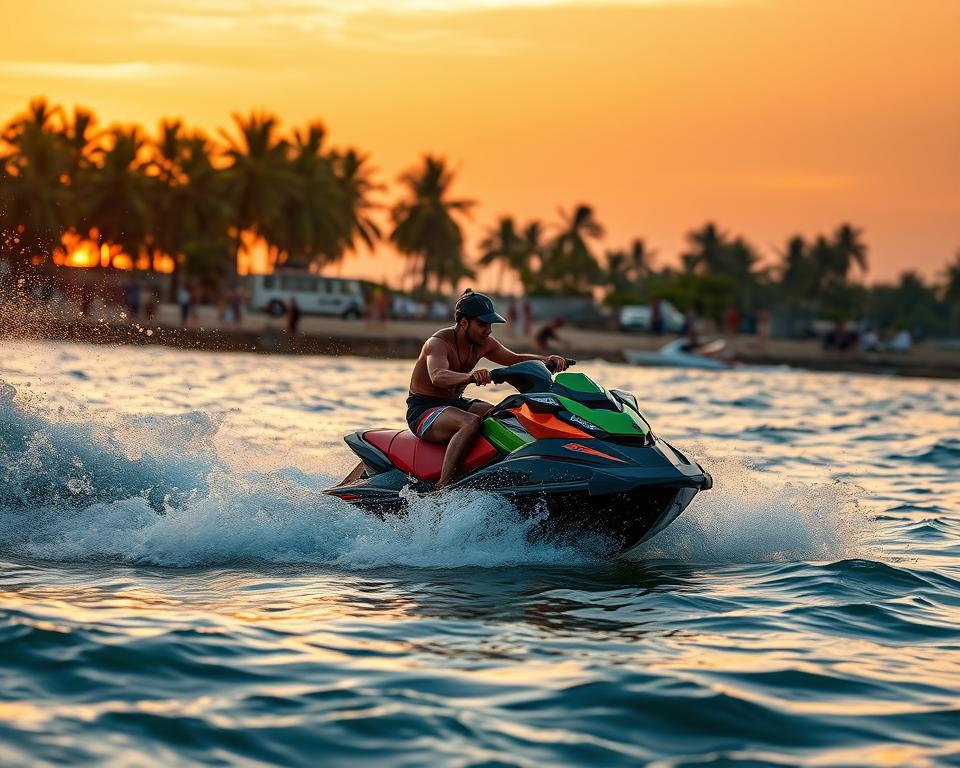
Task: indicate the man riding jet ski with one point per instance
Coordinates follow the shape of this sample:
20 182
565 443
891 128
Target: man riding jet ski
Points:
581 458
437 411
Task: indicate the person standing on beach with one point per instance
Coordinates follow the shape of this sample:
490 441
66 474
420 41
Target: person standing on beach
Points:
692 331
293 317
656 317
763 328
436 408
512 319
184 299
527 317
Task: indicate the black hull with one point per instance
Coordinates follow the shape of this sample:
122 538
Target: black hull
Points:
612 499
612 524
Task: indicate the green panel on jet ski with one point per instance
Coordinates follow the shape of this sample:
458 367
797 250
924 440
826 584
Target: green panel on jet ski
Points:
626 422
503 439
578 382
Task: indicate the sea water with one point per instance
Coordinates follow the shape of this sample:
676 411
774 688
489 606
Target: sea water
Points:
175 588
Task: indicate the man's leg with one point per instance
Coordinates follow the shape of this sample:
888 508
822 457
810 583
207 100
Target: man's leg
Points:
458 429
480 408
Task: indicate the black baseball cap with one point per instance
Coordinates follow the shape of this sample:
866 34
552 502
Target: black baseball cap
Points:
478 306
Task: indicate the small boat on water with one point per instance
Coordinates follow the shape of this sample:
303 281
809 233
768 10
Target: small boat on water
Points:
676 355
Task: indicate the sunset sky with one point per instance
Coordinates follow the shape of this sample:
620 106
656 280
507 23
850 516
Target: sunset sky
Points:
768 116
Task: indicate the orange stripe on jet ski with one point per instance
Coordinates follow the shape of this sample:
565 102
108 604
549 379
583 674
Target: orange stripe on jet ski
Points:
542 425
583 449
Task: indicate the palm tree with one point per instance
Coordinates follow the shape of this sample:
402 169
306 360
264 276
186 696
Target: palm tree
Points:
531 256
502 245
709 250
797 273
166 168
951 288
626 269
741 261
951 273
571 266
615 273
850 247
308 226
425 224
354 178
35 165
259 178
827 262
192 211
329 210
116 193
79 136
640 260
831 264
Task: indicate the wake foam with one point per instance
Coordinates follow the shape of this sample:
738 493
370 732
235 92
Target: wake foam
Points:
753 517
153 489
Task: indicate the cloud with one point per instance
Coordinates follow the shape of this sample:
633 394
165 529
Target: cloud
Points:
359 23
220 9
137 72
68 70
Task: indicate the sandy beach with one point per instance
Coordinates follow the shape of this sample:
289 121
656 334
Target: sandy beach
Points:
261 333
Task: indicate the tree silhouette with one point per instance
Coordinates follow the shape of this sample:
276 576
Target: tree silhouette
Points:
38 206
355 185
570 266
851 249
307 228
259 179
708 250
192 212
502 245
951 290
115 191
625 270
426 226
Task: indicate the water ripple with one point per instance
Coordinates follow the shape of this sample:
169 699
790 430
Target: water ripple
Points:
174 588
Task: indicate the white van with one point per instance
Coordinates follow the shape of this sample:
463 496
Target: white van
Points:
638 318
315 295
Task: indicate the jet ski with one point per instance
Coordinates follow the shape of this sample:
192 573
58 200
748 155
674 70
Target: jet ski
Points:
676 354
580 458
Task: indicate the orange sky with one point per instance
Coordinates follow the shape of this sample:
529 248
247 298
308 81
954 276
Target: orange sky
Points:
769 116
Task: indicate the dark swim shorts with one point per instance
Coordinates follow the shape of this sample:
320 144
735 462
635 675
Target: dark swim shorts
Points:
422 410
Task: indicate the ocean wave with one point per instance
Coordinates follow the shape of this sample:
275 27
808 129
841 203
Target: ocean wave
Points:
752 516
944 453
153 490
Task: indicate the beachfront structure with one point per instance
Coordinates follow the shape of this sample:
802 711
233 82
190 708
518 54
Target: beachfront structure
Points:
314 294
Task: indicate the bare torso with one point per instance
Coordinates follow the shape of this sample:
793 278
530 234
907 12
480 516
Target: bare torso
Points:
462 356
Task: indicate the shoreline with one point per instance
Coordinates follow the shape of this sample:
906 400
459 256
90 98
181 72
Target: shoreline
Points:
402 339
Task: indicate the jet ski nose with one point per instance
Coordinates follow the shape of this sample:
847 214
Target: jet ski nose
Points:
707 482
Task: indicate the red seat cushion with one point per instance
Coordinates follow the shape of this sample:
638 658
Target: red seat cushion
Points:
421 458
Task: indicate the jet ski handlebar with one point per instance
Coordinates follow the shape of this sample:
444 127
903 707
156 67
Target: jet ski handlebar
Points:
528 376
550 366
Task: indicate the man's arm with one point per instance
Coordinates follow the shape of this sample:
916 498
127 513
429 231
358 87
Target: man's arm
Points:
438 366
503 356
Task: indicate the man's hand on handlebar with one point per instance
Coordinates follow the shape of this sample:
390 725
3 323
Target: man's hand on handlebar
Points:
481 377
556 363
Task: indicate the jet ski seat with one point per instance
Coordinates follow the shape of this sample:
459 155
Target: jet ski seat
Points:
424 459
